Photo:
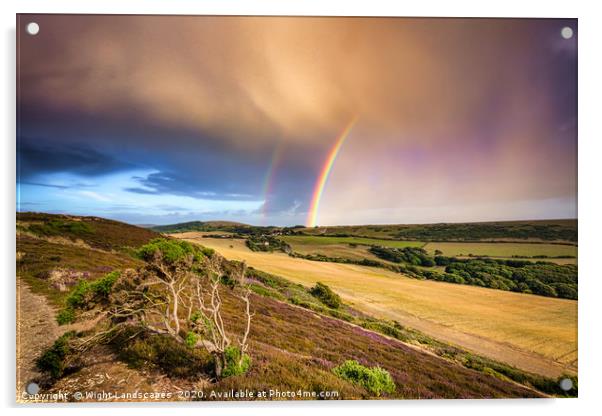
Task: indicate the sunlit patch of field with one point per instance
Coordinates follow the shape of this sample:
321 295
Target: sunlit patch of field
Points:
501 249
336 250
307 241
535 333
547 259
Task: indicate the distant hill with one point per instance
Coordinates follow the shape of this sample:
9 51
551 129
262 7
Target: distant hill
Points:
96 232
543 230
230 226
561 231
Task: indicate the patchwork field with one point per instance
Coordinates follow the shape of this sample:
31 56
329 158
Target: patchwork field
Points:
356 248
501 249
346 247
535 333
309 241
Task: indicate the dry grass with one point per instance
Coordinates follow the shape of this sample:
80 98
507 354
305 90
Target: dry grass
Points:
535 333
502 249
336 250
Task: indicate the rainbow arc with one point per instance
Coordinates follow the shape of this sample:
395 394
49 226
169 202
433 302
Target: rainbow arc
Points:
312 217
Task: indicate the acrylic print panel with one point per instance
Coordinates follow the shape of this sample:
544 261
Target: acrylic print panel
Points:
288 208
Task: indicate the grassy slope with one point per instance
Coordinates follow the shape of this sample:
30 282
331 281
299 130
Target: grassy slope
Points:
47 242
535 333
292 348
98 233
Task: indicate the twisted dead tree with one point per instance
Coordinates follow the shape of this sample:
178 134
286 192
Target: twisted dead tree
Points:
208 322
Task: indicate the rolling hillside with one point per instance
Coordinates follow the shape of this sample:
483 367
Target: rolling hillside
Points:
291 347
543 340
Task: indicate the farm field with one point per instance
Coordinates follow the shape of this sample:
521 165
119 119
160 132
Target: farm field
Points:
534 333
308 241
548 260
501 249
346 247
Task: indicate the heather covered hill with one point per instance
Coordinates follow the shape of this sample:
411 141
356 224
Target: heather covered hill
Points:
94 232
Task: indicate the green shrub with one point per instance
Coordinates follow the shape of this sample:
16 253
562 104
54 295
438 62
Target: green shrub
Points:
65 316
191 339
234 365
172 250
85 292
386 329
376 380
80 295
102 287
52 361
264 291
326 295
164 352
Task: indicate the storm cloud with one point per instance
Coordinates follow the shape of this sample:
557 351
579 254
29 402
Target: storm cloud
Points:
454 116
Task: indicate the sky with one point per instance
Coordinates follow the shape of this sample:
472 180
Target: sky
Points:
284 121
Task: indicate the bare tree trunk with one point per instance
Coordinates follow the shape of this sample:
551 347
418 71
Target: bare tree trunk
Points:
220 363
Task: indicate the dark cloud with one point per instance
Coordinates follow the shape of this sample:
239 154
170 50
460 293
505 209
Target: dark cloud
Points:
41 156
160 183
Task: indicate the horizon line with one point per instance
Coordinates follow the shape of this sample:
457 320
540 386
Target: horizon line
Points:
303 225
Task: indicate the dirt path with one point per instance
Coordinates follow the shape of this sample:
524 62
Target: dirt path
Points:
36 330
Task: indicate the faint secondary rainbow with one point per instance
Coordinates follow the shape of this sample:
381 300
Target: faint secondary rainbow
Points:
268 182
312 217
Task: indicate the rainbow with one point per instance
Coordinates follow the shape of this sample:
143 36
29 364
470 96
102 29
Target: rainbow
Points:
312 216
268 182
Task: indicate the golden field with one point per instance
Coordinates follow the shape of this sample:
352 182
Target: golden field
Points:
501 249
534 333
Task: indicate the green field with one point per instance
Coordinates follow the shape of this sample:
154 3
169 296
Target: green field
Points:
502 249
300 241
356 248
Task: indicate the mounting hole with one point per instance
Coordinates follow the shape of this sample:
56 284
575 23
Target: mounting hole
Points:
32 28
566 32
566 384
32 388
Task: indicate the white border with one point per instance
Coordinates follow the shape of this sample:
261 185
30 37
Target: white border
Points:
590 209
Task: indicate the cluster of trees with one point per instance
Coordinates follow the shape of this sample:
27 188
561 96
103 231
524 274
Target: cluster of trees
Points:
410 255
540 278
545 279
266 242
